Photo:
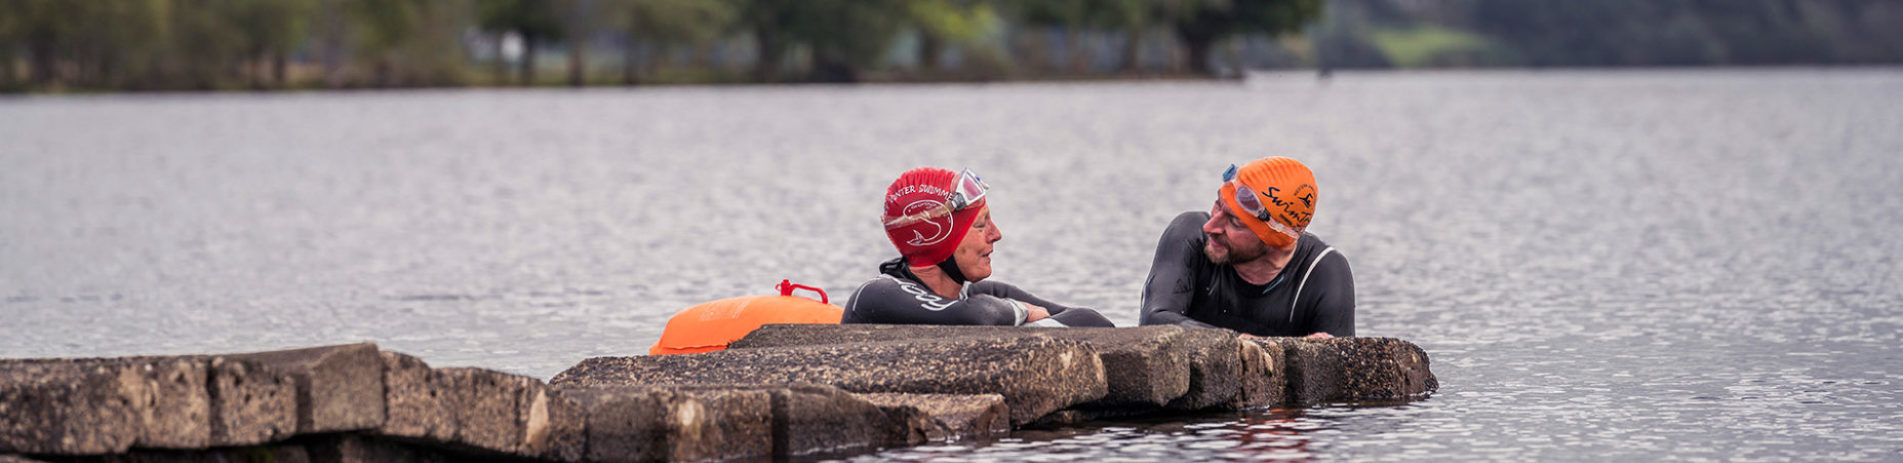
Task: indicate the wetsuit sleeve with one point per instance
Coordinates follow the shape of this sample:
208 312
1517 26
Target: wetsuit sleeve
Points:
1169 289
1061 315
889 300
1008 291
1334 288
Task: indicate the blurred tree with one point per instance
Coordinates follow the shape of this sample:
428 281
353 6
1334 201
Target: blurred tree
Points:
410 42
844 36
579 25
947 22
666 23
42 28
537 21
386 26
1134 18
133 41
10 23
1068 16
272 30
331 39
1201 23
206 44
766 20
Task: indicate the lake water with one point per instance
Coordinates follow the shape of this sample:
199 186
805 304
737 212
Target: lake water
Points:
1603 265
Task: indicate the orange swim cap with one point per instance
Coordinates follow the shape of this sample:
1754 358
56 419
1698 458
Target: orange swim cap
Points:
1280 201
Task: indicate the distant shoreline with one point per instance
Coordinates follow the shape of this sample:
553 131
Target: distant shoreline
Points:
881 81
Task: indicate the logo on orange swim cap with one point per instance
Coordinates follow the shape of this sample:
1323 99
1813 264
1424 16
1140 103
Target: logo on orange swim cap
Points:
931 238
1280 200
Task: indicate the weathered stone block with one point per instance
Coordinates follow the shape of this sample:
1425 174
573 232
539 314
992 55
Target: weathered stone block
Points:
339 388
1383 369
416 406
553 427
483 406
1215 369
1036 375
179 414
805 419
250 402
639 424
818 419
174 410
87 408
508 413
1354 369
947 417
1152 367
480 410
1263 381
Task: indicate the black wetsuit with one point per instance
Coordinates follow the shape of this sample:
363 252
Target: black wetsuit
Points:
1314 293
898 297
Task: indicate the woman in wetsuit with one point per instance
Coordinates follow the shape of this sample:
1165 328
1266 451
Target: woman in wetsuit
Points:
942 227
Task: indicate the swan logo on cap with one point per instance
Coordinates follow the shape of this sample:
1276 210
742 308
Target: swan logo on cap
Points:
940 226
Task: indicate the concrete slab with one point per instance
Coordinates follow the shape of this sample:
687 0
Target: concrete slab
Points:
70 408
339 388
948 417
251 403
639 424
1152 366
1036 375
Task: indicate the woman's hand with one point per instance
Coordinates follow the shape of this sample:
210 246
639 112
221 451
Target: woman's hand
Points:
1034 313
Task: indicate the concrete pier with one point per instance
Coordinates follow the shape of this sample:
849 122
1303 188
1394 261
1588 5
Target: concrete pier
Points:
786 391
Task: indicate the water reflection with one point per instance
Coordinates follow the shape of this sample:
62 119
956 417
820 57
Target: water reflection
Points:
1602 265
1265 435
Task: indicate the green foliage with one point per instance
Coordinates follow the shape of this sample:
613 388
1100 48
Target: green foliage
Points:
844 37
216 44
534 19
1426 45
1200 23
672 22
273 26
409 43
952 20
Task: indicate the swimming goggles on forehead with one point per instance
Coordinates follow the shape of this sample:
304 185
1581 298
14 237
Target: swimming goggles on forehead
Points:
1246 197
967 191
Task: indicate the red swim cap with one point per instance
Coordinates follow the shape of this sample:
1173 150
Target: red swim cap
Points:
933 239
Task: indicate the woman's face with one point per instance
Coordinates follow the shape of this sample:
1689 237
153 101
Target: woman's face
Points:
974 251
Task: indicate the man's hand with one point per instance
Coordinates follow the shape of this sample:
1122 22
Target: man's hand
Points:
1034 313
1247 336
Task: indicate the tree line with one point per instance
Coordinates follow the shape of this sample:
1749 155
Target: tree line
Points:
233 44
55 45
1462 33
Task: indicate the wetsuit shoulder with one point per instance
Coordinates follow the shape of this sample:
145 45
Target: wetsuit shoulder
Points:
1326 291
888 299
1176 272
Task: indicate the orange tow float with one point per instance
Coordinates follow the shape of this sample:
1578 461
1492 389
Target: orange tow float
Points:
713 325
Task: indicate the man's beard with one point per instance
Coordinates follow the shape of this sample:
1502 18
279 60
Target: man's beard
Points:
1231 254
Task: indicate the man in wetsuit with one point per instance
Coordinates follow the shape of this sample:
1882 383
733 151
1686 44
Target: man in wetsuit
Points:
1247 264
942 226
